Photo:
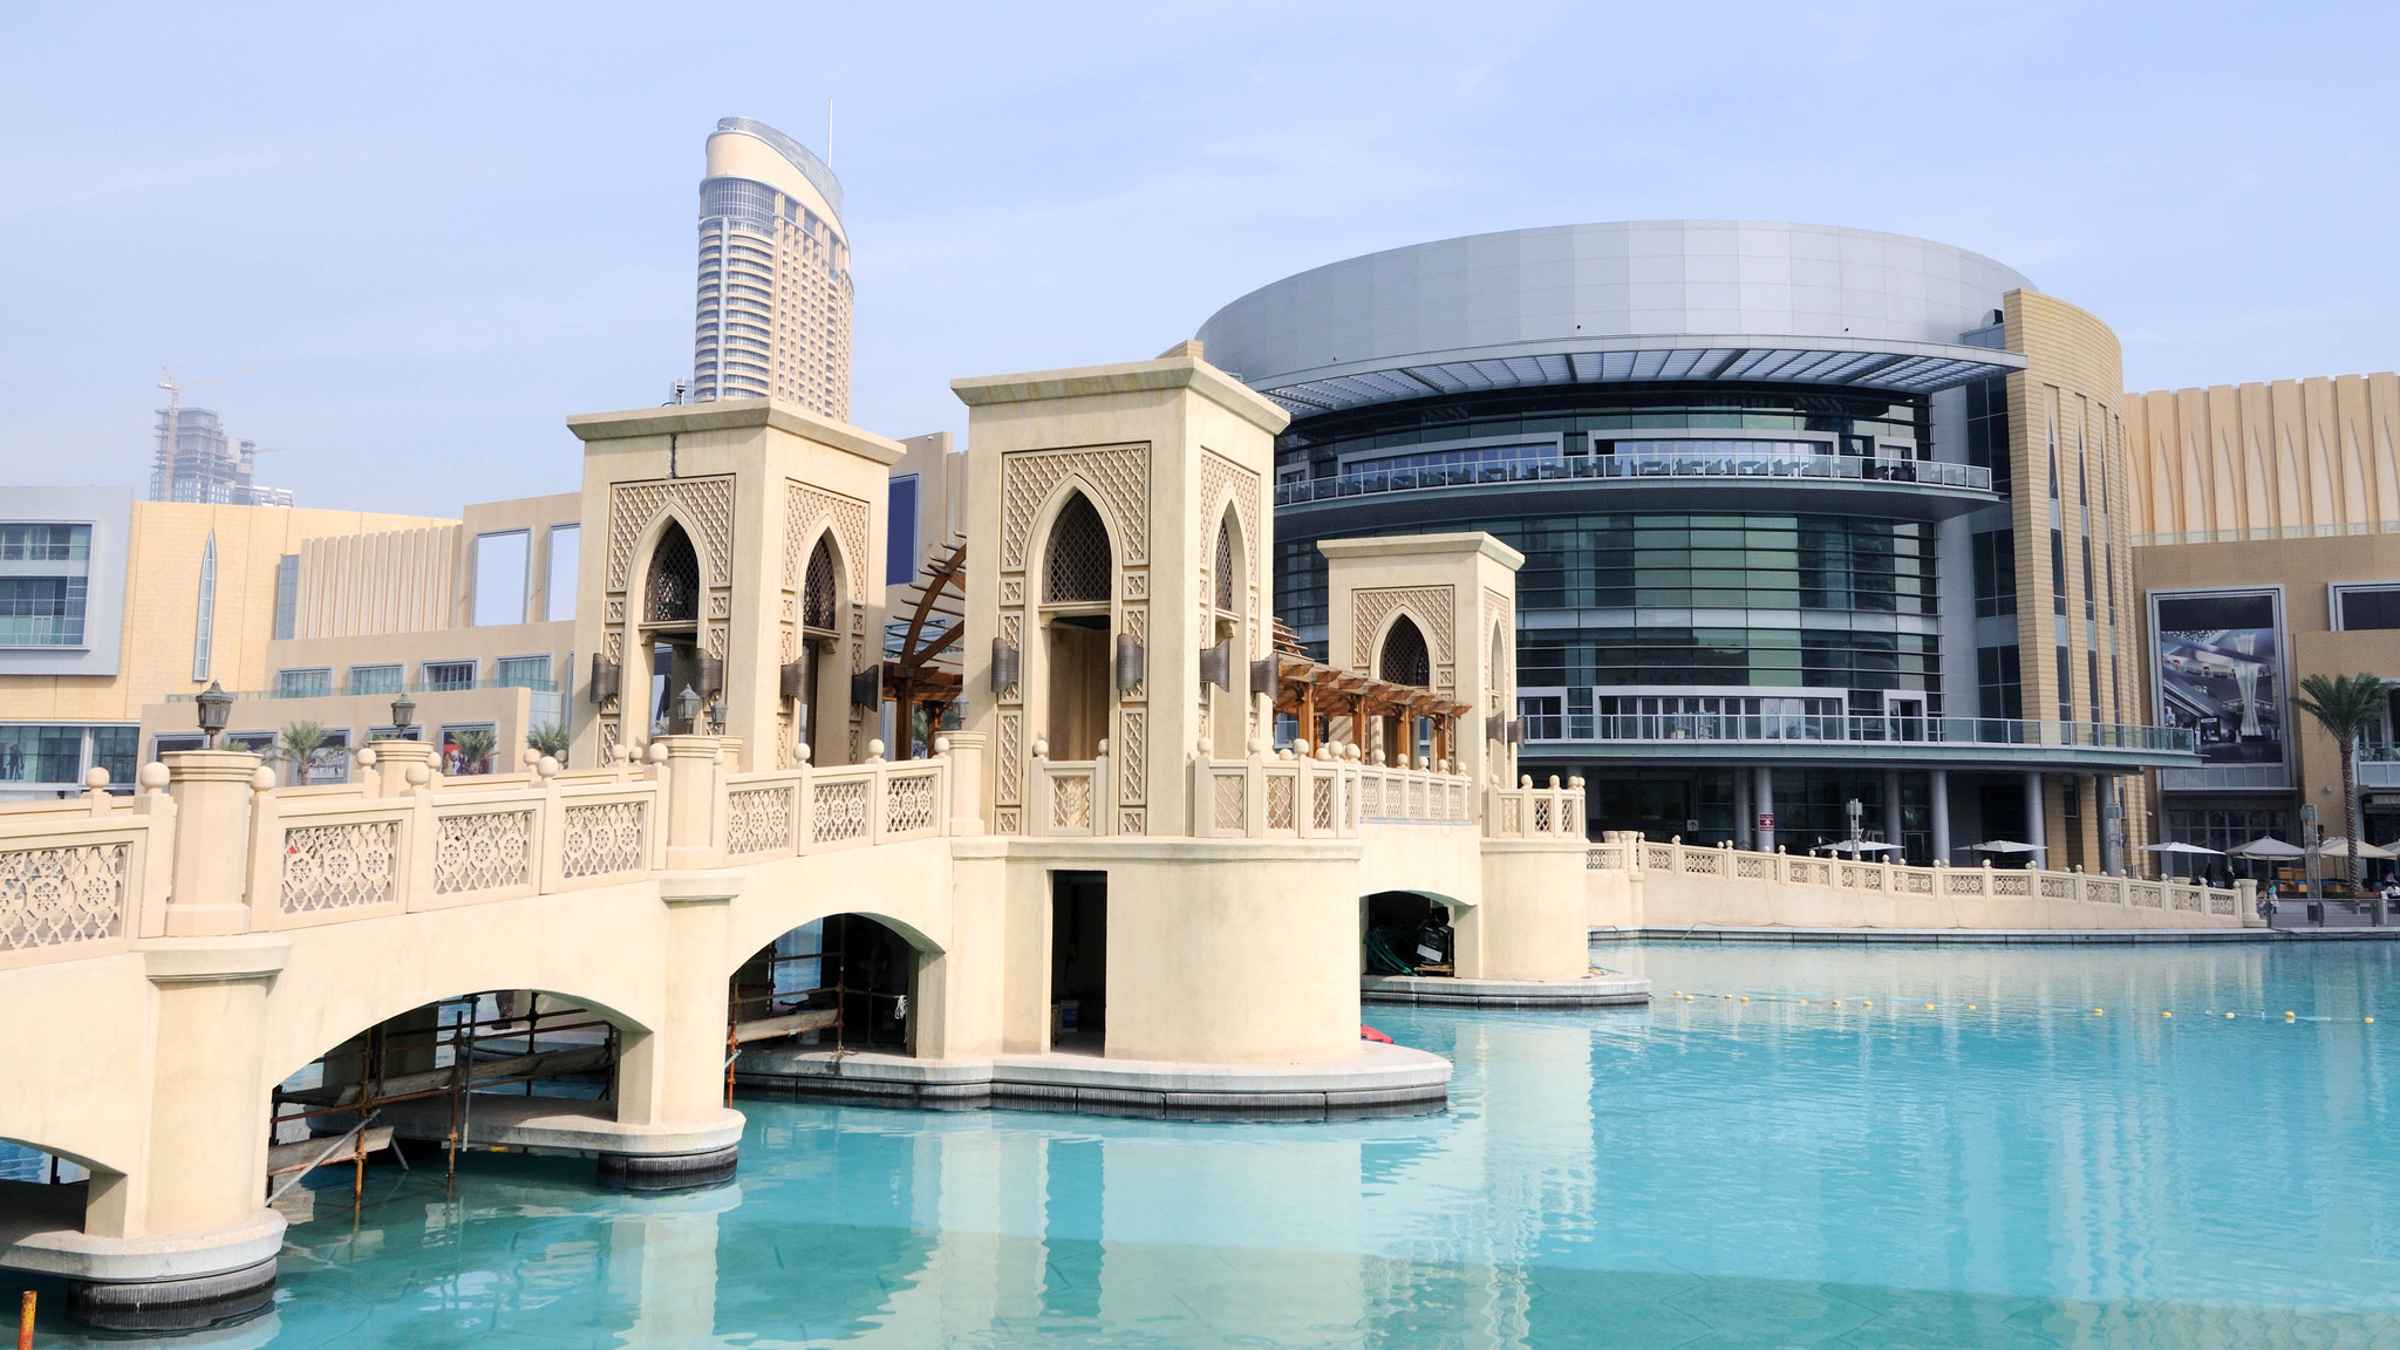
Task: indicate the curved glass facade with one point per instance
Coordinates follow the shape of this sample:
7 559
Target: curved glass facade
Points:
1597 420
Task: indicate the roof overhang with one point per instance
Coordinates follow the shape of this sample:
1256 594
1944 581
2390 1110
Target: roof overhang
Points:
1863 364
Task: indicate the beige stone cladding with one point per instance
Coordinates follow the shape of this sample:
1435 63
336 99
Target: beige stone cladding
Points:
168 542
2282 456
2305 570
1169 454
2066 427
753 485
1460 590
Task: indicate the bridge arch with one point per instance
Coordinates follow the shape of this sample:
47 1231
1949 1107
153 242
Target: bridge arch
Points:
287 1058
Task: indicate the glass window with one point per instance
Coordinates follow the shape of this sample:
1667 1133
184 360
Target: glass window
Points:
2363 608
449 675
41 754
41 611
287 596
500 561
900 539
374 679
204 623
468 748
566 569
40 542
311 683
523 672
331 763
165 745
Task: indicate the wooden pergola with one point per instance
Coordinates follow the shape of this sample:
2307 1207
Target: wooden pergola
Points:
1317 694
921 666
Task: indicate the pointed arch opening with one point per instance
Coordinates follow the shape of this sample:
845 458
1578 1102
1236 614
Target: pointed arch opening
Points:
1229 569
670 631
1405 659
1078 587
820 721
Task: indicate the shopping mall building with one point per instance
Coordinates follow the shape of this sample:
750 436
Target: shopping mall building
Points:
1815 516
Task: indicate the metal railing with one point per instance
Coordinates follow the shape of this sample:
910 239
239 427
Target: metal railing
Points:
417 686
1644 464
1836 728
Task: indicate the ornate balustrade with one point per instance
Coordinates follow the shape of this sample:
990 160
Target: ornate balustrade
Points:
1526 811
1307 795
1632 853
85 876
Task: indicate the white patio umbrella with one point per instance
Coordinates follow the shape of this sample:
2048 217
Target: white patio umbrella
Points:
2005 846
2267 847
2338 846
2179 848
1860 846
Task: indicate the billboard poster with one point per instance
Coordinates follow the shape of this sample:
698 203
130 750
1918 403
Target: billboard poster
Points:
2220 672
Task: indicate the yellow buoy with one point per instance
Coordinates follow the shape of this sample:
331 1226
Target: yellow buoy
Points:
1837 1003
1804 1003
1970 1007
2166 1014
1866 1003
2288 1014
2229 1017
2370 1021
1929 1007
1745 998
2099 1012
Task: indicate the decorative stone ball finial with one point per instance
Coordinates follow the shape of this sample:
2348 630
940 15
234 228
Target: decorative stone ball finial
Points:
1102 748
1524 780
1041 747
155 776
96 778
941 745
546 767
418 775
366 757
800 752
875 748
658 753
262 780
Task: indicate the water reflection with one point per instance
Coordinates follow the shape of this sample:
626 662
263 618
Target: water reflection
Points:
2006 1165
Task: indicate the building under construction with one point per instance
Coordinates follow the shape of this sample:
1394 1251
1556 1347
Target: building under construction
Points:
195 461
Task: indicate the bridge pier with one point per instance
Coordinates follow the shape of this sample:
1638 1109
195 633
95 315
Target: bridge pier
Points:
671 1081
186 1239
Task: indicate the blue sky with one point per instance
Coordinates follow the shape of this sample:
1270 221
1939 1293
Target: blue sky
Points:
399 248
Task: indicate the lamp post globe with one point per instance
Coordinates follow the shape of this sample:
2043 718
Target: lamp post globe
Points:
404 718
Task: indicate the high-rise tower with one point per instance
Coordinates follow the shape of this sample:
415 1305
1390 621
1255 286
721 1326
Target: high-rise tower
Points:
772 315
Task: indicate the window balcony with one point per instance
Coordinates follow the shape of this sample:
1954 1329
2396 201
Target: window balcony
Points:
1765 468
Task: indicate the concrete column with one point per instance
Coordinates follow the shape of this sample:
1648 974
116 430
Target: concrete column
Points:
672 1078
2112 842
1763 802
1891 809
692 763
211 789
1741 808
2036 828
1938 807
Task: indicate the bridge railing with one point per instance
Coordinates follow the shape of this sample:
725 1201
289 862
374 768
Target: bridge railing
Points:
85 876
1527 812
1301 794
1632 853
786 812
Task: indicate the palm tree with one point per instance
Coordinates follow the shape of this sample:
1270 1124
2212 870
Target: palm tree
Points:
475 747
548 739
2346 706
299 745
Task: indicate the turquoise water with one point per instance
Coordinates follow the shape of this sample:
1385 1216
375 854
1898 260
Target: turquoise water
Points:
1707 1172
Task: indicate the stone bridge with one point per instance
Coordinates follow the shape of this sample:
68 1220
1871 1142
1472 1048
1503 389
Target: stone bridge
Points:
186 950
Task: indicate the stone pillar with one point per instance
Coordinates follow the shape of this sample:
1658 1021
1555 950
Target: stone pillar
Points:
2112 839
394 759
671 1080
211 789
1763 801
200 1202
2036 828
967 770
1741 808
692 763
1891 811
1938 807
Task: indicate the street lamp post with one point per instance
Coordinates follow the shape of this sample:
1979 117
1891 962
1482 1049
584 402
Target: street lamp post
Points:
1858 813
2311 833
404 718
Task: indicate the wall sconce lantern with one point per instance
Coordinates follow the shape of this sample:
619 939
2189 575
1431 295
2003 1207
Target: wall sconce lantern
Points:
1133 662
1004 665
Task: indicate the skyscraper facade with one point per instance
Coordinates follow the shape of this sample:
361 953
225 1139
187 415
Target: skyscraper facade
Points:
772 313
